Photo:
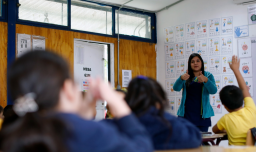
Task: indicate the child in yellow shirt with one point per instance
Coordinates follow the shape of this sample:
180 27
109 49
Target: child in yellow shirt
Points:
240 119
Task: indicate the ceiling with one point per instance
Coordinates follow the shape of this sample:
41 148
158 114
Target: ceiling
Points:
149 5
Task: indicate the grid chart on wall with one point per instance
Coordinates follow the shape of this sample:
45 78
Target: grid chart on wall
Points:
213 40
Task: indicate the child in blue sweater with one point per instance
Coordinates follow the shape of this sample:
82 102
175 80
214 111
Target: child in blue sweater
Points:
48 103
147 100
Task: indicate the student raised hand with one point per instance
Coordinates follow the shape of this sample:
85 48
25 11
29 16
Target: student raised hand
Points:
202 78
103 91
185 76
234 65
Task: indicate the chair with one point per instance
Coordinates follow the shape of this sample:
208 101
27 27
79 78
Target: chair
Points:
250 138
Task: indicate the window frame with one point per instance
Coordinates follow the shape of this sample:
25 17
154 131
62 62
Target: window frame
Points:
114 35
3 16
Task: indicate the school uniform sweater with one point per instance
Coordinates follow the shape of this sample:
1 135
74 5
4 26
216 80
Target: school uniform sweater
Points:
176 133
124 135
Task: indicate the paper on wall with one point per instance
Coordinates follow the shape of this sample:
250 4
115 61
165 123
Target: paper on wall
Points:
214 46
179 33
38 43
252 14
178 102
244 47
171 101
206 63
226 45
228 80
190 31
201 47
218 82
215 65
214 27
126 77
169 34
169 52
249 84
189 48
246 67
241 31
180 67
225 60
23 44
169 87
170 69
227 25
216 104
201 29
179 49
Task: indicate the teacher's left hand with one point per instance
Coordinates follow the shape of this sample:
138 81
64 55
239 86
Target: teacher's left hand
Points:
201 78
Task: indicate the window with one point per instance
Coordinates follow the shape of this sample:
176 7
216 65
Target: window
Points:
1 3
46 11
91 17
133 24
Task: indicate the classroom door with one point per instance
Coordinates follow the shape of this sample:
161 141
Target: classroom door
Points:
89 62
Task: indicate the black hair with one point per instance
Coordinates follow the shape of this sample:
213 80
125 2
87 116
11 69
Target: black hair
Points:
33 133
143 93
42 73
190 71
232 97
9 115
1 109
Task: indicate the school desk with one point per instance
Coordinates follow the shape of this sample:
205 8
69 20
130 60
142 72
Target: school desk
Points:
211 137
216 149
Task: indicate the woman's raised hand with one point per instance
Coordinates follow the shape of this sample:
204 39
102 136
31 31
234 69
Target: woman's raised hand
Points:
185 76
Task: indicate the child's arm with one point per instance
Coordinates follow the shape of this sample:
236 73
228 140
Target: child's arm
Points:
235 67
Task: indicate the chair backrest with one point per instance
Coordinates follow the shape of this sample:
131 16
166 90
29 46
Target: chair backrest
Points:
250 139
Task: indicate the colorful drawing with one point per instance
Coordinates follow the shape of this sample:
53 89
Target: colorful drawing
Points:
246 69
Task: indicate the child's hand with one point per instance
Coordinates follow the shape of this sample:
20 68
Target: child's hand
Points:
234 65
185 76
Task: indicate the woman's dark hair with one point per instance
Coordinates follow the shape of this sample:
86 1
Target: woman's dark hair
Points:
33 133
143 93
42 73
190 71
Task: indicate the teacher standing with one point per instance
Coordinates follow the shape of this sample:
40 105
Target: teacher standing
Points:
197 85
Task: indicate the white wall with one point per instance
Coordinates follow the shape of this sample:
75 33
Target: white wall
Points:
197 10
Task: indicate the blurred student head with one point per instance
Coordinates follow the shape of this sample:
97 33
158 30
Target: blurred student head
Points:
144 93
1 112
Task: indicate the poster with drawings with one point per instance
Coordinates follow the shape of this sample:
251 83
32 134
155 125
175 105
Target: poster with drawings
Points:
214 27
190 30
225 60
179 49
201 29
170 69
169 34
249 84
179 33
216 104
215 65
178 102
228 80
226 45
226 25
205 59
169 52
201 47
252 14
172 109
23 44
218 82
169 87
189 48
180 67
241 31
244 47
214 46
246 67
